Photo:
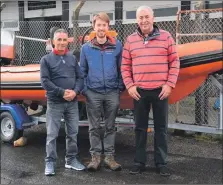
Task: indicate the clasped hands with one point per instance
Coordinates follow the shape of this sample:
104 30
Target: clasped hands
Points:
69 95
166 90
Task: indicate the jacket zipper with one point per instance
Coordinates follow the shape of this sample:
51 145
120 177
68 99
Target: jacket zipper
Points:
147 39
102 61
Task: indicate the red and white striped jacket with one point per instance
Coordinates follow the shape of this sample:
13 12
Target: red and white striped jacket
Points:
150 62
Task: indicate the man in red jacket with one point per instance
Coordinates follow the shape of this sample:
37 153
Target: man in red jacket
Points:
150 67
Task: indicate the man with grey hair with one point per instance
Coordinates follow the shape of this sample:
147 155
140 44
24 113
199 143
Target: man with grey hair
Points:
150 68
62 80
139 9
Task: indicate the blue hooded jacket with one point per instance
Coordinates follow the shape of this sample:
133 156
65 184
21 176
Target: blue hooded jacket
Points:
101 66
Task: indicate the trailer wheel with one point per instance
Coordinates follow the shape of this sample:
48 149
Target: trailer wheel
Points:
9 132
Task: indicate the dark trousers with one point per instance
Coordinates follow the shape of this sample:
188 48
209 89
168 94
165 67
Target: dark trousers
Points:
160 115
109 103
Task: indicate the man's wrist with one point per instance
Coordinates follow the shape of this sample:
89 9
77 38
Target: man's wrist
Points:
76 91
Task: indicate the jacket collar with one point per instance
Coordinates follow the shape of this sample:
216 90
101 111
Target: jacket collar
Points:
57 53
154 33
110 42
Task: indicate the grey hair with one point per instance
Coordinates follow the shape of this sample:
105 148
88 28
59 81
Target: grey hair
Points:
144 8
61 30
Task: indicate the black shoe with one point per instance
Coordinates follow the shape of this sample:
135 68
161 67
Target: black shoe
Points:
163 171
137 168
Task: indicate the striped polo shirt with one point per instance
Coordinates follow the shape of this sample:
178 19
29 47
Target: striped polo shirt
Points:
150 62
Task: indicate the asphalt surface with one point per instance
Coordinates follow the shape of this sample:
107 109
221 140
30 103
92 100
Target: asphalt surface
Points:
191 162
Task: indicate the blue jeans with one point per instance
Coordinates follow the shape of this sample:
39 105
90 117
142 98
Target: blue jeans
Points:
55 111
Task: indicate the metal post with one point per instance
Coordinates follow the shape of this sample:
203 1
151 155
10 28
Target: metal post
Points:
177 42
199 97
177 103
30 38
220 126
206 101
118 19
2 6
75 17
220 87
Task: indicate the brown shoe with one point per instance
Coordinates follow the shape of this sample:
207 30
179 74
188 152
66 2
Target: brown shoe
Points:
111 163
94 165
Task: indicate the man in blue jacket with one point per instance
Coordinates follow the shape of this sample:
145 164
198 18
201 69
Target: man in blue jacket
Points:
100 64
62 80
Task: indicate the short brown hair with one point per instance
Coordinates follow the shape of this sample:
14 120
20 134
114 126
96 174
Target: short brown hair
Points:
103 16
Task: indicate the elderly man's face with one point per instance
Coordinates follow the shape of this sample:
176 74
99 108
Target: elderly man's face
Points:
145 20
61 41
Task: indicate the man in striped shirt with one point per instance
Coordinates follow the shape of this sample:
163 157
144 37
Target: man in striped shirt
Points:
150 67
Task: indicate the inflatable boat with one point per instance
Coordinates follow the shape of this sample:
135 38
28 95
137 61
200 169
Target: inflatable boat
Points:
197 61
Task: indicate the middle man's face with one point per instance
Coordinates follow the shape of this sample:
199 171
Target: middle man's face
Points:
101 27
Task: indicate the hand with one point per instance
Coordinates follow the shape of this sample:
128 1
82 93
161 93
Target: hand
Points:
69 95
134 93
166 90
66 93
